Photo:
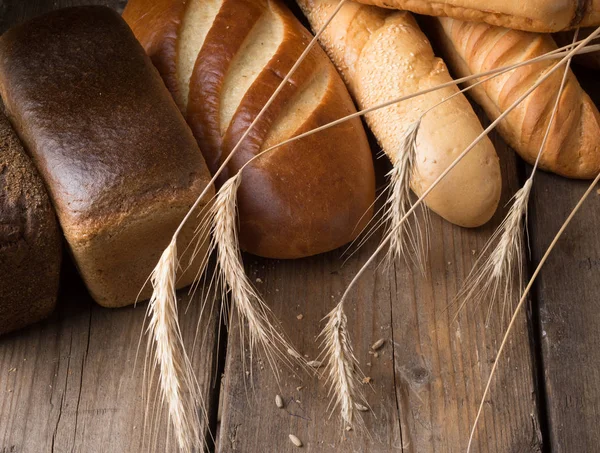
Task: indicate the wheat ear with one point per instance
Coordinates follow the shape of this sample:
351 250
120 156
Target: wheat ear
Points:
163 299
178 386
341 376
522 303
497 277
329 359
407 239
245 300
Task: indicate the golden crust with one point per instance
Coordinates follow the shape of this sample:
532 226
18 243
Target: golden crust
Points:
573 149
543 16
310 196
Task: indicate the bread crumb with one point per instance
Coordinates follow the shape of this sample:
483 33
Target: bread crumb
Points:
299 317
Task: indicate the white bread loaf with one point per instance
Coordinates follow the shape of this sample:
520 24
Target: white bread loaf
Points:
222 60
383 55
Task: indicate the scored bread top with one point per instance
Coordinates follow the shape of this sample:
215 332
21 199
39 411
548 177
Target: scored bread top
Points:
572 148
384 55
532 15
307 197
98 122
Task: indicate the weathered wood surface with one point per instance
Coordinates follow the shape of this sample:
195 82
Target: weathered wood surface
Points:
428 377
72 383
567 297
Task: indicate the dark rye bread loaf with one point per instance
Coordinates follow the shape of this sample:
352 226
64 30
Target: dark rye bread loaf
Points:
30 243
120 164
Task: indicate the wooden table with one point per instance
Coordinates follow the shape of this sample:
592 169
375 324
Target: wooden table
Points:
71 384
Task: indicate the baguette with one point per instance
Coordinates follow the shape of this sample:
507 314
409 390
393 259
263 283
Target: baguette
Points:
542 16
383 55
222 60
572 149
120 164
30 244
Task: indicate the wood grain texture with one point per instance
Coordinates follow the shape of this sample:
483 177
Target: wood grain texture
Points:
427 379
72 383
567 296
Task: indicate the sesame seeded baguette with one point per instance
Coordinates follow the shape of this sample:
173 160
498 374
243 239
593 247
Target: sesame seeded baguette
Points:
383 55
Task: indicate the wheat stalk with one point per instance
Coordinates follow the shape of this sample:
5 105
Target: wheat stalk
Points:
494 278
247 303
406 239
498 276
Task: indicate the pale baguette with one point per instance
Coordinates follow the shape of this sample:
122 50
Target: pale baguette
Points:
573 146
544 16
384 55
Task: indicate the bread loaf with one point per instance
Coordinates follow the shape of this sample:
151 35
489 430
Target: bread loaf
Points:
573 148
120 164
222 60
30 244
384 55
543 16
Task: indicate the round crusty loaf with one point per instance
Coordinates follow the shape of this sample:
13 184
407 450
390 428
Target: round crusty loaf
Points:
572 149
384 55
30 243
222 60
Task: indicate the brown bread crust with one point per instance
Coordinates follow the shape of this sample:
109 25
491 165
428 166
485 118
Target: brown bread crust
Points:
308 197
120 164
30 242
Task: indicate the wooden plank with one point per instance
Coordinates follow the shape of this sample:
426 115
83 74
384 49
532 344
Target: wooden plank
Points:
428 377
69 383
567 294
